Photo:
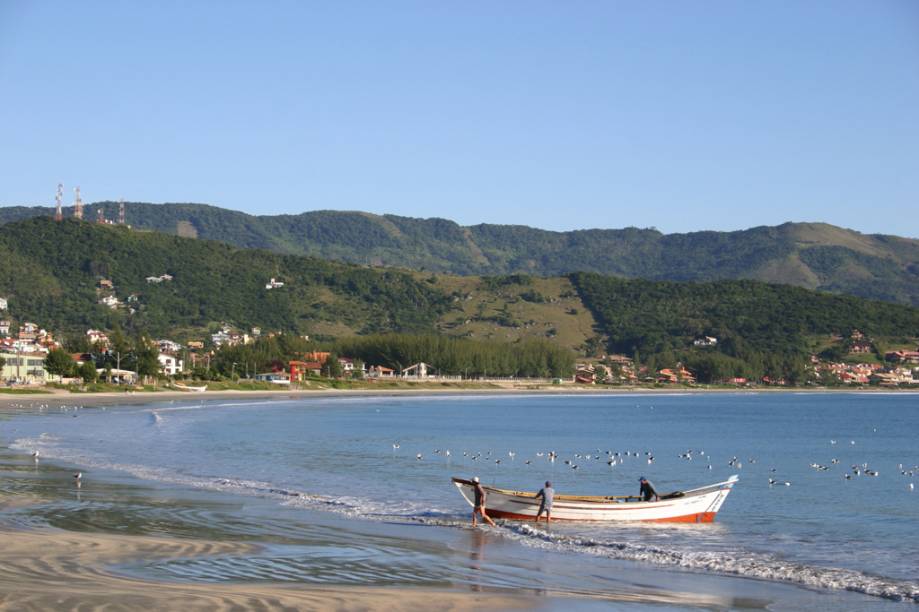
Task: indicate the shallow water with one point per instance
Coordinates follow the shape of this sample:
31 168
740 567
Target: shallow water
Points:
266 470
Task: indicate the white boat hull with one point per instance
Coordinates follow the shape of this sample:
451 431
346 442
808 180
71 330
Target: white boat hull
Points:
181 387
694 506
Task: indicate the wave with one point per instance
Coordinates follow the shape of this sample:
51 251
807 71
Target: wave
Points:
739 563
747 565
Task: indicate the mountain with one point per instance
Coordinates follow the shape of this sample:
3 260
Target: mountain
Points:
811 255
52 274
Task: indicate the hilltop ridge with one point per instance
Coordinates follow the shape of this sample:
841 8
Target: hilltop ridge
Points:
811 255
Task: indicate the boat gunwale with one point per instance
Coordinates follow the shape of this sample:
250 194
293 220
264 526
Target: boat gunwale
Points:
607 499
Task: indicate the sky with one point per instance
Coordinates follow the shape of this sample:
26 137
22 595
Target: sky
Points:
563 115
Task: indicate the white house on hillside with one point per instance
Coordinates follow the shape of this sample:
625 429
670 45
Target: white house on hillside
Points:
170 364
3 303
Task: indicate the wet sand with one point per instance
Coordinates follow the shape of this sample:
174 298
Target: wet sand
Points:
42 570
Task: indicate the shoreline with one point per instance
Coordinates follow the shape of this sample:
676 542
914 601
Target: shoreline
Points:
65 398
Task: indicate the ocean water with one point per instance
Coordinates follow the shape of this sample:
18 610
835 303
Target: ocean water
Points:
356 461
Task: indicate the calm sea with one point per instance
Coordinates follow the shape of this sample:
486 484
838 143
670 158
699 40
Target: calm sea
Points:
389 460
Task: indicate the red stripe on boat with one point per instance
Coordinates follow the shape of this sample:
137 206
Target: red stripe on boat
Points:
696 517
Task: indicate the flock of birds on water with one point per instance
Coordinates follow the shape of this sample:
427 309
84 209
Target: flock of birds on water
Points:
611 458
614 458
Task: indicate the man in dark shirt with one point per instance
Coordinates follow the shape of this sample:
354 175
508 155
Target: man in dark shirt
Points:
647 491
546 495
479 506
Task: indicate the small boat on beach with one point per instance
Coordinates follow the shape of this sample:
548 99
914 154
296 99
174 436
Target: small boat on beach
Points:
693 506
182 387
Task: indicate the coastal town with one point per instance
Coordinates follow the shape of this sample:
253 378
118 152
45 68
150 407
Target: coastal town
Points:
25 347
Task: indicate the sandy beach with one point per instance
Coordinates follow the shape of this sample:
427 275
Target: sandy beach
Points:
43 570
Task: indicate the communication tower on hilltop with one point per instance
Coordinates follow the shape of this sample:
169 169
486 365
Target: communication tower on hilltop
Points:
100 214
58 203
77 204
121 216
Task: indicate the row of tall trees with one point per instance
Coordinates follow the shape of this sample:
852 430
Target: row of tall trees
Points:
462 356
447 356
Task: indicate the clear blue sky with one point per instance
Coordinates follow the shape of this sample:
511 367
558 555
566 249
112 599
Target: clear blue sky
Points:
679 115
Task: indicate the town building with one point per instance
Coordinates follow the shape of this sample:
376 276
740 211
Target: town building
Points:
28 331
274 284
276 378
23 368
97 337
5 327
585 373
168 346
380 372
111 301
705 341
902 356
3 303
170 365
675 375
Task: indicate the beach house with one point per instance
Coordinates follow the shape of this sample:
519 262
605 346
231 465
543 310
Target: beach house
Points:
170 365
23 368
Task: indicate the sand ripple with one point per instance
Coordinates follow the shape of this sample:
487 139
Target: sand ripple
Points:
41 570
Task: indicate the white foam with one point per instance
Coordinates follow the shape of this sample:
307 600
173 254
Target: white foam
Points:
748 565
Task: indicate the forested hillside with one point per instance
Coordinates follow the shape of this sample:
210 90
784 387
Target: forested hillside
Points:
761 328
810 255
52 273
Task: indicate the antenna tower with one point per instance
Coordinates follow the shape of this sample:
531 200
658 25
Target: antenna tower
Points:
121 216
58 203
77 204
100 214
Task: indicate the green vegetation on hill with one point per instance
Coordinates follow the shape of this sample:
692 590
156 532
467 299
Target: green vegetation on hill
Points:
50 271
761 329
503 325
810 255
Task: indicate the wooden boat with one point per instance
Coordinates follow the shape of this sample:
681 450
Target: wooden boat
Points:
692 506
182 387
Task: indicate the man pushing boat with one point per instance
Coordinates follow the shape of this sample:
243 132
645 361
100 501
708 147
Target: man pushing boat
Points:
647 490
546 495
479 506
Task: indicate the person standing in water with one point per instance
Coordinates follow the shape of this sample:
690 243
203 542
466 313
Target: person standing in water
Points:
546 495
479 506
